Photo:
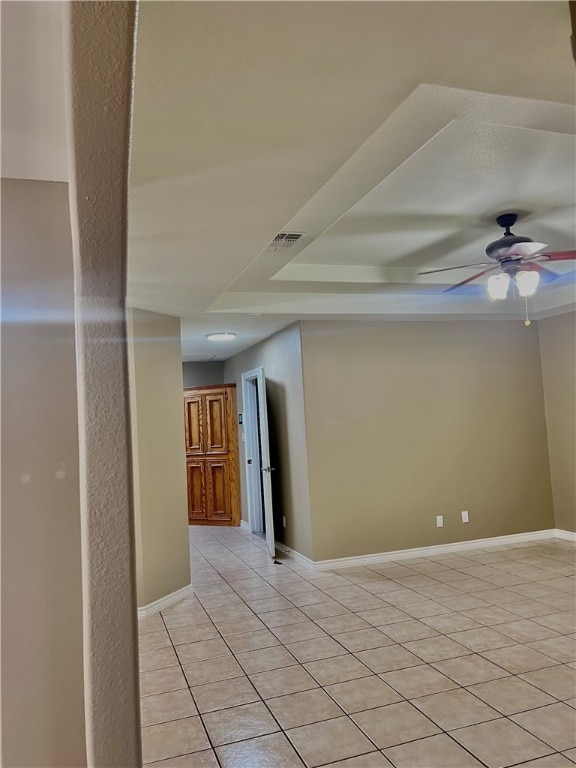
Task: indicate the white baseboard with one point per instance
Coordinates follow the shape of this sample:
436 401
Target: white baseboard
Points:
439 549
244 524
165 602
565 535
293 555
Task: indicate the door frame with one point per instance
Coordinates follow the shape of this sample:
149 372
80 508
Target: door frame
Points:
258 481
252 452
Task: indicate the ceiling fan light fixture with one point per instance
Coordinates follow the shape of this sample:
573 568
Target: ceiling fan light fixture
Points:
498 286
527 282
221 336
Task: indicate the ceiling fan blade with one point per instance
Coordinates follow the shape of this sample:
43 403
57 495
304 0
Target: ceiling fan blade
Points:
461 266
525 249
469 279
560 255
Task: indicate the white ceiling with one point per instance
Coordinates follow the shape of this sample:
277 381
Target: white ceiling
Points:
391 134
434 208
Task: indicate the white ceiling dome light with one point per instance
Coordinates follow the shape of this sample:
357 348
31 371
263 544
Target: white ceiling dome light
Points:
221 336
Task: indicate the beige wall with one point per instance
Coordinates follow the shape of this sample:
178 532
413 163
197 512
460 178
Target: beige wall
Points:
203 374
162 551
41 607
409 420
558 353
281 357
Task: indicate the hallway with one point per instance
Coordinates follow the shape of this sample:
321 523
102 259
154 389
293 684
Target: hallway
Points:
460 660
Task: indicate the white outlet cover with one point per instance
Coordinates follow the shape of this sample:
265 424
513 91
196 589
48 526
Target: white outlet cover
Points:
439 521
465 517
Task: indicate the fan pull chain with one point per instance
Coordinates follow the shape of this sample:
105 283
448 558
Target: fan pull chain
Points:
527 322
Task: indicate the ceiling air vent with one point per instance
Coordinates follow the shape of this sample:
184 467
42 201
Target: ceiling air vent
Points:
285 240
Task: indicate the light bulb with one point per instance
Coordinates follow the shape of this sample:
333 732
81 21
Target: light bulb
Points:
498 286
527 282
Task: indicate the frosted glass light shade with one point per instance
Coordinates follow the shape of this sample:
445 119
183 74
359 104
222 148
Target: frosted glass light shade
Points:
527 283
498 286
221 336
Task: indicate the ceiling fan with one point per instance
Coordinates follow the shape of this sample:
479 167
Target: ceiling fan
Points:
519 262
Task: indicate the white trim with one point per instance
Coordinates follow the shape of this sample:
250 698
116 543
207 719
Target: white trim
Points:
293 555
244 524
565 535
252 451
257 454
438 549
165 602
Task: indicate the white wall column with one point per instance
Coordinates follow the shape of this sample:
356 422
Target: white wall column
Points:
100 49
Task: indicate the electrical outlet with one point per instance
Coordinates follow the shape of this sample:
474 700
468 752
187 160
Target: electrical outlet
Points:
465 516
439 521
284 521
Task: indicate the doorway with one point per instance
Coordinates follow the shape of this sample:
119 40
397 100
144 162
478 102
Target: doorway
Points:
257 449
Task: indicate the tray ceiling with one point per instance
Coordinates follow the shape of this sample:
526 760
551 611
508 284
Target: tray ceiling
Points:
390 144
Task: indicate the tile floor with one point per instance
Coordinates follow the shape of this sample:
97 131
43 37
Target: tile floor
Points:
452 661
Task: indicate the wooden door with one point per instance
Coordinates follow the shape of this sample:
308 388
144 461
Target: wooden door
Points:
212 455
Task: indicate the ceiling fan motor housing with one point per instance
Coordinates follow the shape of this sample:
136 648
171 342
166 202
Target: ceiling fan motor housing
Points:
499 248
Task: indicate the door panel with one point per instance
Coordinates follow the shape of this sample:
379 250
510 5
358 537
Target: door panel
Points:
197 507
216 433
194 424
218 482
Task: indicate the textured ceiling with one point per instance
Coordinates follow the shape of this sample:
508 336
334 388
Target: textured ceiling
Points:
363 125
433 208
